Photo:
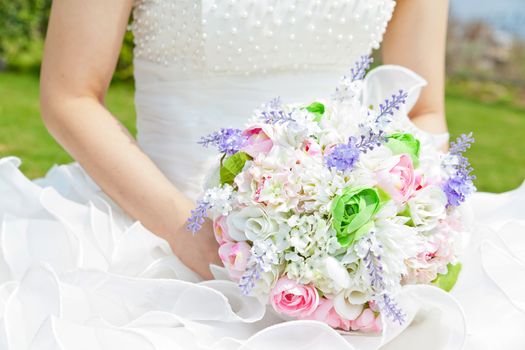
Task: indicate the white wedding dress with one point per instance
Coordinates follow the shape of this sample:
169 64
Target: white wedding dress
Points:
77 273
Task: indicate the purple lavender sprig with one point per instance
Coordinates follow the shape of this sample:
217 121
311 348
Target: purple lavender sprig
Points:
457 188
273 113
227 140
391 105
360 68
345 89
370 140
390 308
198 216
461 183
344 156
462 144
384 301
375 270
251 275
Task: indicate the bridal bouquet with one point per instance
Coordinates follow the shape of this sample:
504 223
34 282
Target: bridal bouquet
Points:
326 209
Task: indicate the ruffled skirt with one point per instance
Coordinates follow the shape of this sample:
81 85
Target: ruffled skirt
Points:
77 273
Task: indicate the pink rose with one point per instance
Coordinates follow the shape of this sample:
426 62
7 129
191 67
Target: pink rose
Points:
220 229
293 299
420 182
399 181
326 313
312 148
367 322
257 141
235 257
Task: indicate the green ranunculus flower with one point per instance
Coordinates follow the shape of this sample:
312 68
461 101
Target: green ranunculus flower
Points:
405 144
352 213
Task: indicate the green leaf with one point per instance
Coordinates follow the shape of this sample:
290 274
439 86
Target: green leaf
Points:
448 280
405 144
232 166
383 197
406 213
316 108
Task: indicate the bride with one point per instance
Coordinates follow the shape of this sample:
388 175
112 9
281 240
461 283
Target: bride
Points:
96 254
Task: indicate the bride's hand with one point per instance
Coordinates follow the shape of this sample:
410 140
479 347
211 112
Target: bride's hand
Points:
81 50
197 251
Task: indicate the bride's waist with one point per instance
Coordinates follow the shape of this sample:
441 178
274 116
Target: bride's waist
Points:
161 85
149 73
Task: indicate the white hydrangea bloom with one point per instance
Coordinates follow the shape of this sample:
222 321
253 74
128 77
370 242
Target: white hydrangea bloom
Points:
221 199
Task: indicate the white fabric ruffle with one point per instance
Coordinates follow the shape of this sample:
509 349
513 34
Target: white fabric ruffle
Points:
77 273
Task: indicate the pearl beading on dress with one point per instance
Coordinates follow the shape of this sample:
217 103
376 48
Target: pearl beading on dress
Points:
257 36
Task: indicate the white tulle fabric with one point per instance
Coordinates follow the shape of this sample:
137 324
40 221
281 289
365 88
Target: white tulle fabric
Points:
77 273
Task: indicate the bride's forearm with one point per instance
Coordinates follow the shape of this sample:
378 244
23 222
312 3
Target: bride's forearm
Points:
431 122
113 159
111 156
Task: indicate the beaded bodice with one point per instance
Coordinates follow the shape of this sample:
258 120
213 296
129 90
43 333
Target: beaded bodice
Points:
247 36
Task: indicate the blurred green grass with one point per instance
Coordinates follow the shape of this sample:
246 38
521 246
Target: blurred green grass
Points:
22 132
498 156
499 127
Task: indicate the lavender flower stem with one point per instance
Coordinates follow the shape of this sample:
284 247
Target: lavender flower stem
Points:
391 105
386 304
251 275
198 216
461 183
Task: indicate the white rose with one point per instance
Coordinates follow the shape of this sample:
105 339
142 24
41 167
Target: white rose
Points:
349 303
250 223
427 207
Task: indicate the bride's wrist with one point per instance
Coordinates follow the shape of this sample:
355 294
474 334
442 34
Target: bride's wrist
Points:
432 123
196 251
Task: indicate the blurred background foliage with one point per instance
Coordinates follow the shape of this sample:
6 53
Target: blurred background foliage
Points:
22 27
485 88
23 24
